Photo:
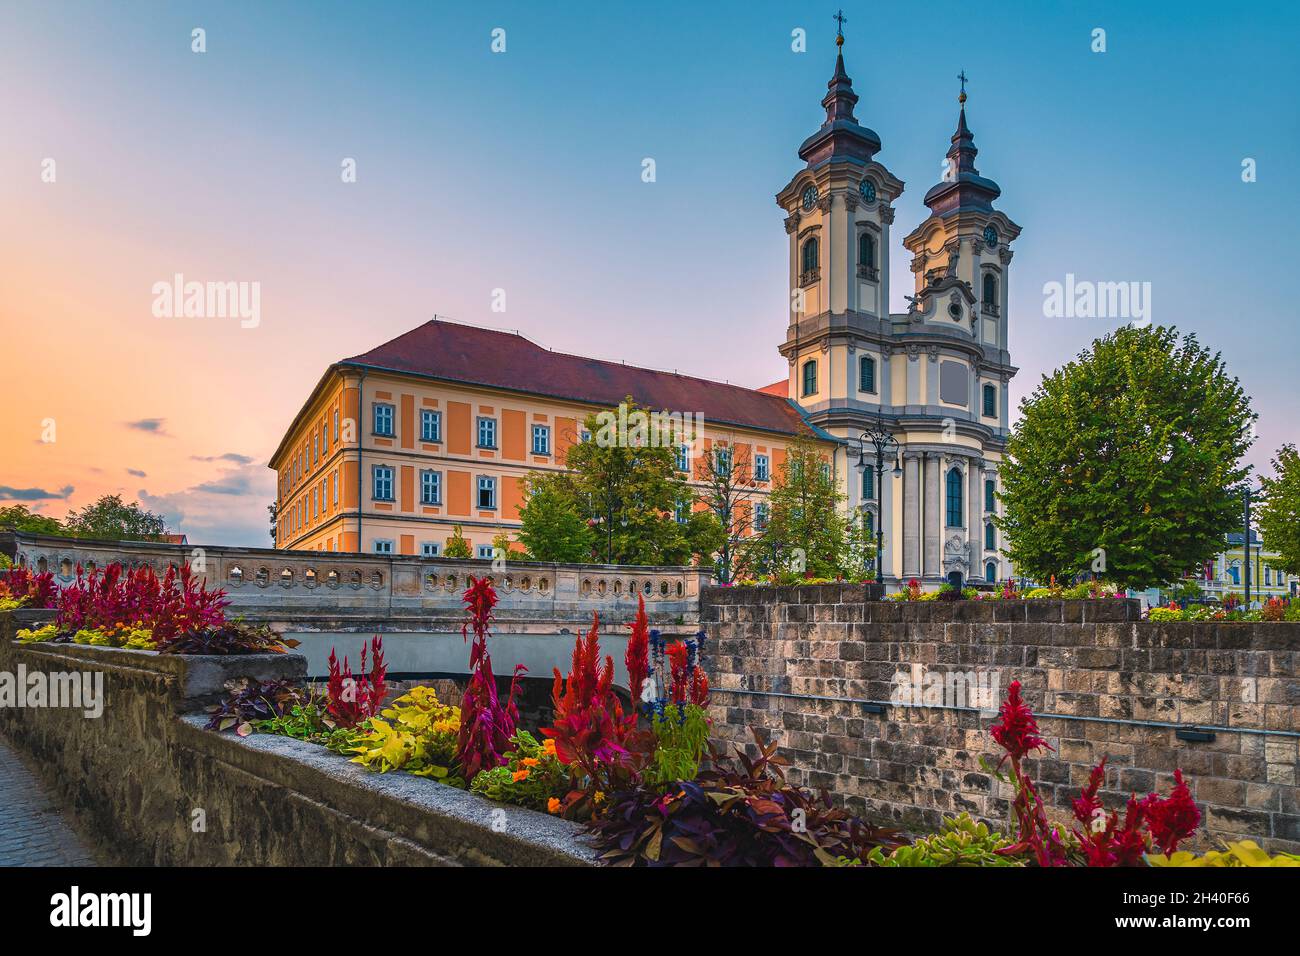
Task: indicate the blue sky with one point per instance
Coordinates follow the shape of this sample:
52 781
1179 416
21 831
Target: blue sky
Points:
521 171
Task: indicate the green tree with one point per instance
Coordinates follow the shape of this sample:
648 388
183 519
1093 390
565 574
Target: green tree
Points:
112 519
273 509
1279 510
622 485
727 487
553 527
1124 460
457 546
20 518
810 529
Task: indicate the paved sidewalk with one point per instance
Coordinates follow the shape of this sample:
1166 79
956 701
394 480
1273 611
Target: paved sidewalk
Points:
33 831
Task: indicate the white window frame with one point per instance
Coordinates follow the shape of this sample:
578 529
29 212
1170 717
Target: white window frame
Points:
374 482
425 475
544 433
485 552
427 416
488 424
762 468
488 483
430 549
390 416
383 546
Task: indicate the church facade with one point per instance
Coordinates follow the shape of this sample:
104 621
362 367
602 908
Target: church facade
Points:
934 377
445 419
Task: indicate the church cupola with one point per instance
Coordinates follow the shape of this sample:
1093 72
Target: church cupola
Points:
962 187
841 136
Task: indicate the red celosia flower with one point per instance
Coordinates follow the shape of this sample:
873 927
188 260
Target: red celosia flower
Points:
1087 804
485 725
1174 818
354 699
1016 730
637 657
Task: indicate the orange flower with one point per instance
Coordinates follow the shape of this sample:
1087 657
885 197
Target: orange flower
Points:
520 775
553 805
548 745
530 761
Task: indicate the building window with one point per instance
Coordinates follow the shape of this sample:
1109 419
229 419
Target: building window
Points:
541 440
809 261
990 305
384 420
866 374
867 250
761 512
487 433
810 377
336 424
991 573
954 498
487 492
681 512
683 457
868 522
990 537
382 483
485 552
762 470
430 425
431 487
868 482
383 546
990 496
430 549
722 461
990 401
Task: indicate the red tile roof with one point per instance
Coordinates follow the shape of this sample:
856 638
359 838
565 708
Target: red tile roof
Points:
454 352
781 388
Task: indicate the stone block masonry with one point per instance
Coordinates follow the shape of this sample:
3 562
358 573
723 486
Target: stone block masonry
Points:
813 666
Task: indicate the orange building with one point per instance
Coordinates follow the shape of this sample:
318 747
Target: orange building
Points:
435 429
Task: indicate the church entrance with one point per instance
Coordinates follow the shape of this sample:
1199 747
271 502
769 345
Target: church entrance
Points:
954 578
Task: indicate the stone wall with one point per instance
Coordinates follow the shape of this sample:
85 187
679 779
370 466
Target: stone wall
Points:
143 775
813 665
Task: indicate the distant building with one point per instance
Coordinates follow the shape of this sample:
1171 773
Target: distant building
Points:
1226 574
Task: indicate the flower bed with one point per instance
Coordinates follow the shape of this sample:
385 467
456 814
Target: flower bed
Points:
651 790
135 609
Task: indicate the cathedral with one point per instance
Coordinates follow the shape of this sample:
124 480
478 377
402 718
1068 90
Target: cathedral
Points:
426 438
930 382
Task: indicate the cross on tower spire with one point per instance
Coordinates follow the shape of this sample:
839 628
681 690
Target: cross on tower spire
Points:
962 76
840 19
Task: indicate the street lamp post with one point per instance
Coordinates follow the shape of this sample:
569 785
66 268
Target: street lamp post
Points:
884 444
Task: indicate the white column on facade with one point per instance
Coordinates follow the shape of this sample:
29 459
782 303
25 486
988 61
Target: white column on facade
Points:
975 516
911 514
932 531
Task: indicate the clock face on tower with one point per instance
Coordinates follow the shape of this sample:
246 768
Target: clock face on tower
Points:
867 189
809 198
990 237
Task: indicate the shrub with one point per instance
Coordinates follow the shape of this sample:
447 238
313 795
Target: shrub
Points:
1242 853
733 815
681 737
961 842
532 775
40 635
23 588
250 702
417 734
177 603
457 546
231 637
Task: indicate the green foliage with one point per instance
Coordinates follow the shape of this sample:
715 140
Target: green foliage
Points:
1133 449
681 737
625 488
112 519
809 533
1279 511
309 720
417 734
47 632
457 546
553 529
20 518
531 777
1242 853
961 842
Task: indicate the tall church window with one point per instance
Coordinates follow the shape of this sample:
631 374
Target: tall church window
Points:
990 401
866 374
990 537
810 377
810 260
990 293
954 498
867 250
868 482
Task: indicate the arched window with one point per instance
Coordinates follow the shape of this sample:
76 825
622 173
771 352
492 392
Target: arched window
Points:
954 498
990 401
991 573
990 537
990 289
810 377
866 374
810 260
868 482
867 251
